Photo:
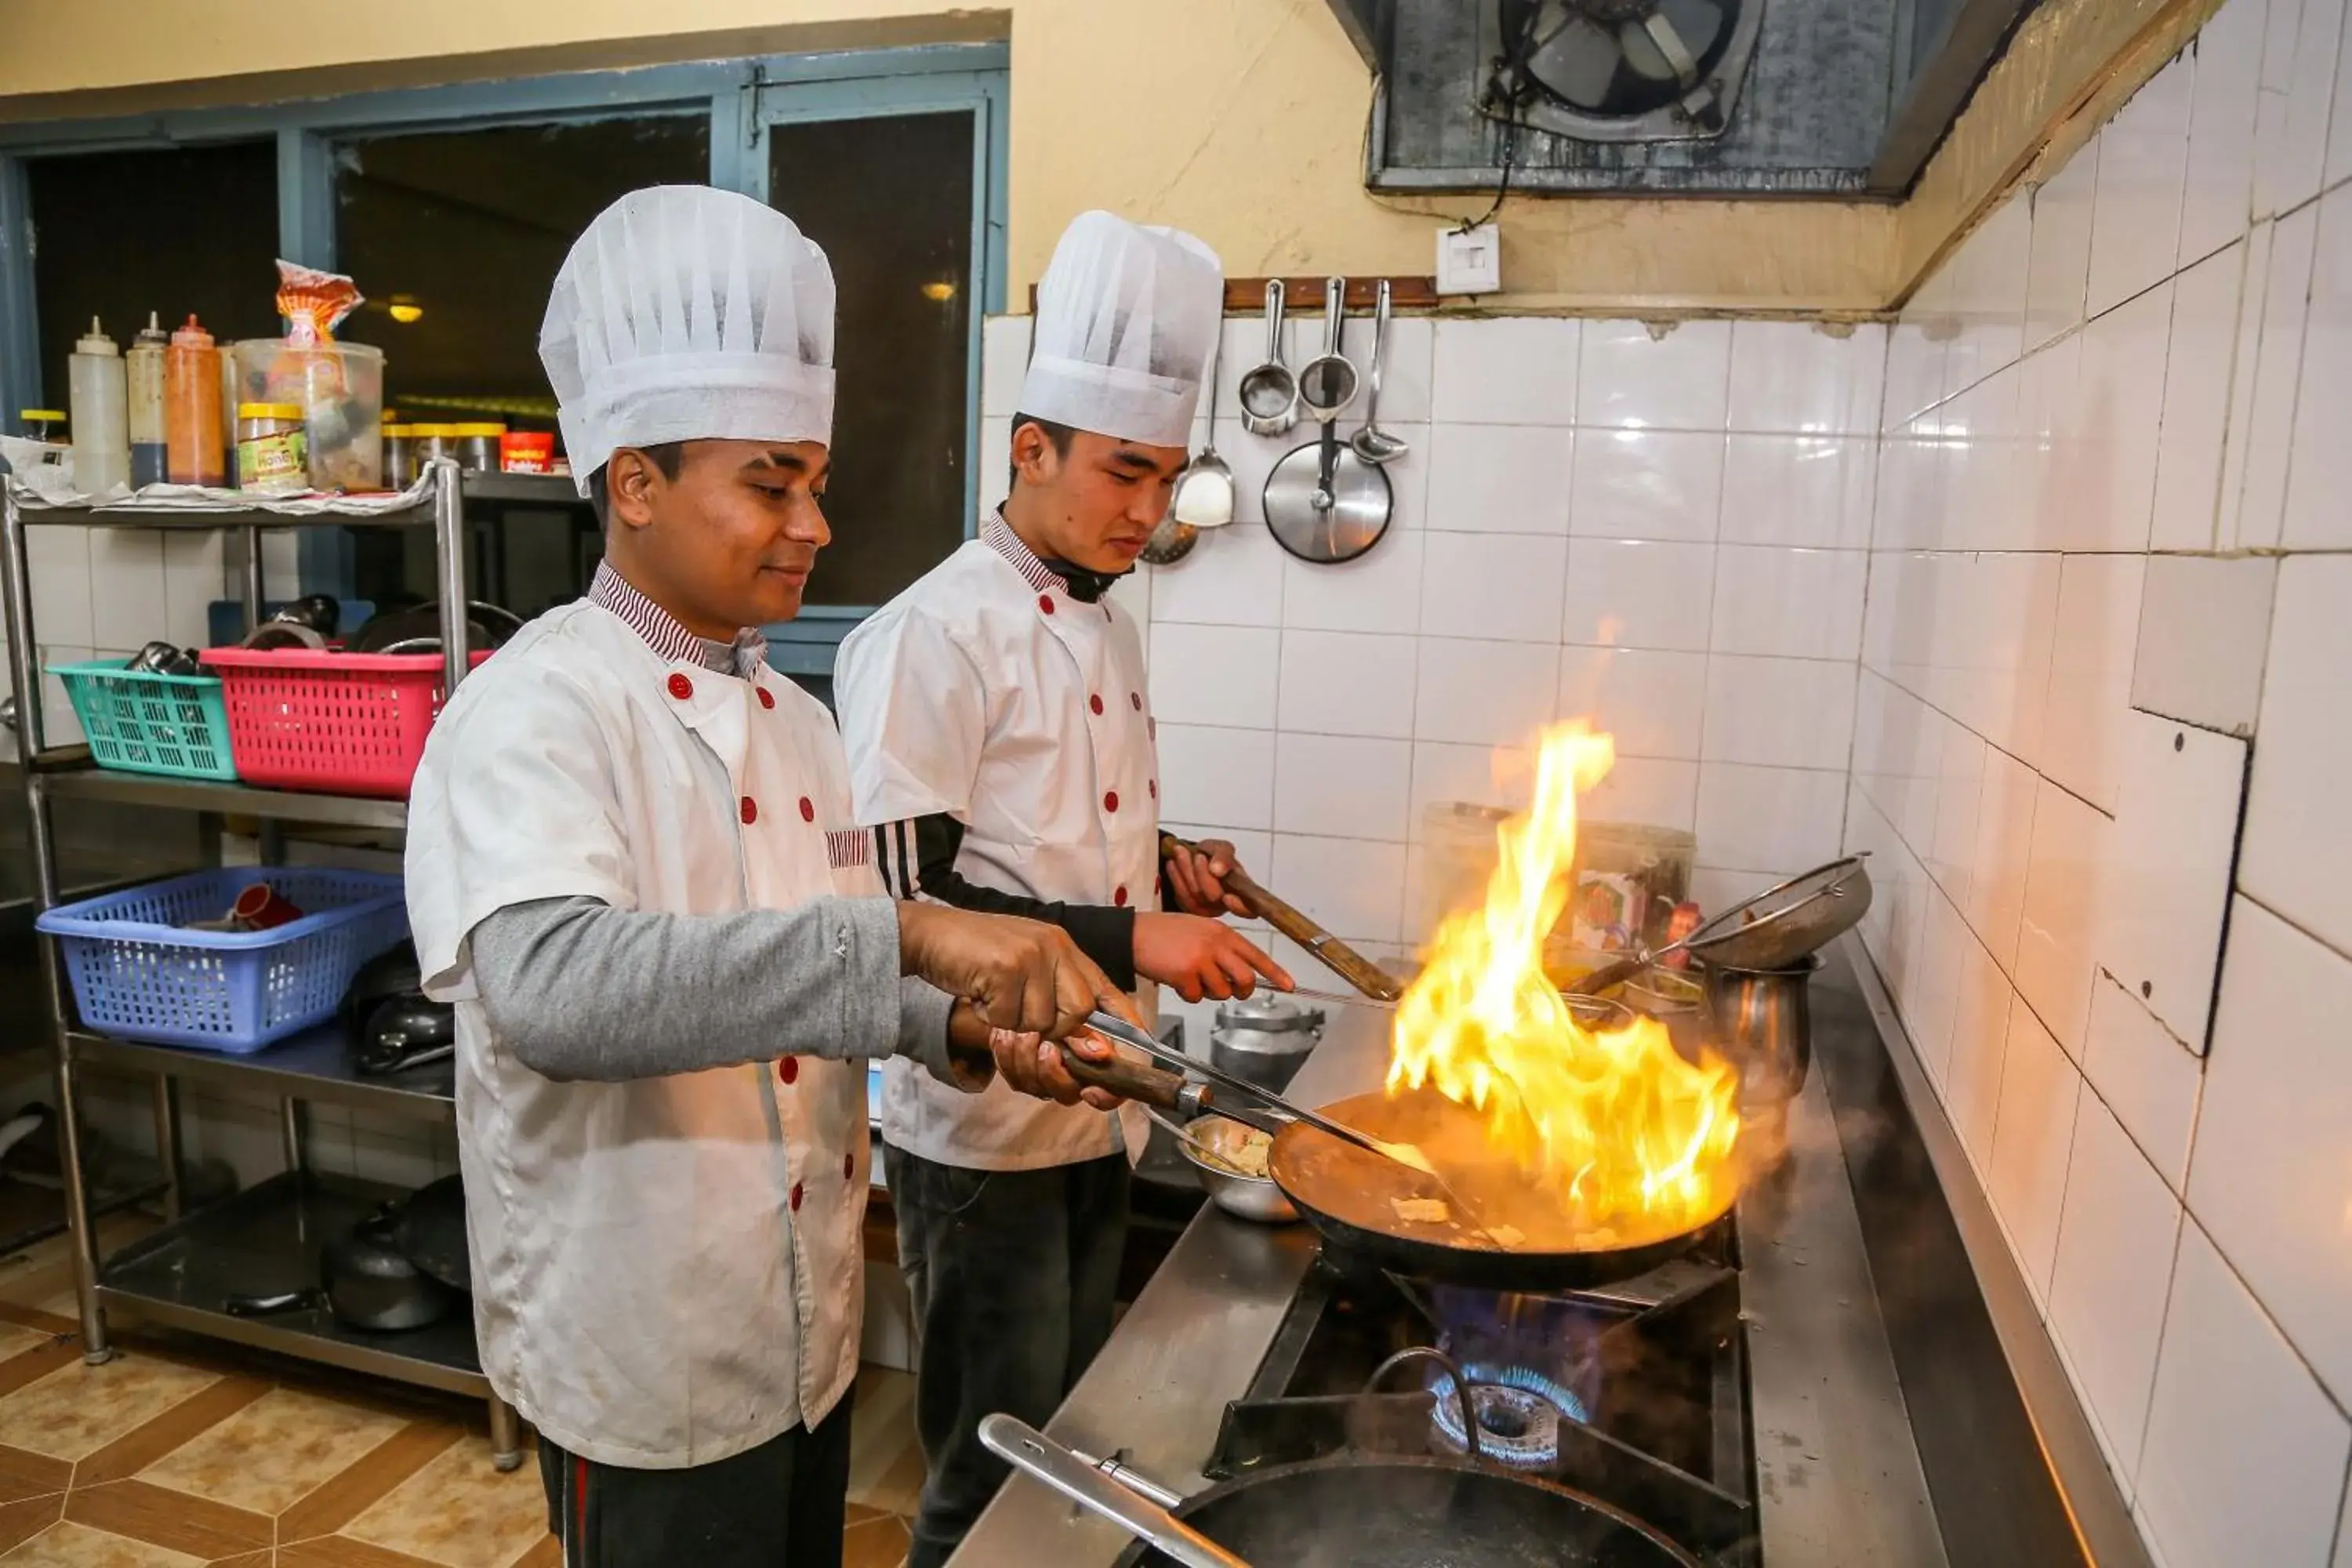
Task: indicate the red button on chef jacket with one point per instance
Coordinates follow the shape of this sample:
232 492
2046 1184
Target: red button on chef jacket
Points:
1096 703
1045 603
1111 800
1118 895
680 687
750 811
808 809
789 1069
796 1197
767 698
848 1167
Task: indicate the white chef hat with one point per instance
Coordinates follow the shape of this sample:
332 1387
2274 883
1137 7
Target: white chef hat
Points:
1126 318
686 313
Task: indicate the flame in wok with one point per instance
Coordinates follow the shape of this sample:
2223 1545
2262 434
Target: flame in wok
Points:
1634 1141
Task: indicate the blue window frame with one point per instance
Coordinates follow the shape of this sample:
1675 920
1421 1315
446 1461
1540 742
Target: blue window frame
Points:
743 98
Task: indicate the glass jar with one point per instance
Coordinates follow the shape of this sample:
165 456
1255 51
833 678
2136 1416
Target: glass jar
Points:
273 449
478 446
399 462
426 442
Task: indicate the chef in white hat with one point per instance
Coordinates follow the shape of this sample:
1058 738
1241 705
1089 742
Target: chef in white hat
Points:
1000 741
633 868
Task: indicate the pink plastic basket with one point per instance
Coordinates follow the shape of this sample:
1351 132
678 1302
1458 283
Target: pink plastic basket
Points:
340 724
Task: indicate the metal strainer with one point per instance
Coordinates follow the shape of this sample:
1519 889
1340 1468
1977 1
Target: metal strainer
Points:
1782 925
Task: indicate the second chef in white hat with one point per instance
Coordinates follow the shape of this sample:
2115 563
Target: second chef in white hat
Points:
1000 745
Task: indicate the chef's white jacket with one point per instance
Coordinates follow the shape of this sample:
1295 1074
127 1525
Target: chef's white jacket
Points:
987 692
668 1271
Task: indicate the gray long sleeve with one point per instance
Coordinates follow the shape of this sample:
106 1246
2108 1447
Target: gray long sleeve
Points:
580 989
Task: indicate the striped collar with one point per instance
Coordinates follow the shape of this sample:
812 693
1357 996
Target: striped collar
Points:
998 535
670 641
1086 587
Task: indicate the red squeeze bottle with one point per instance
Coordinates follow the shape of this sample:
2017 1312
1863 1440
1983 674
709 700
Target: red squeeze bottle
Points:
193 453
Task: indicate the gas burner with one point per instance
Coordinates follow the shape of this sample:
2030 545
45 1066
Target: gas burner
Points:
1518 1412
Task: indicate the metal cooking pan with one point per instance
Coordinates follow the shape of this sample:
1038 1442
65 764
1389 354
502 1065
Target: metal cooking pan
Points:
1413 1513
1350 1195
1346 1512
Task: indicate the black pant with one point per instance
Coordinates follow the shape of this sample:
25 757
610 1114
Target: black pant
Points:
1013 1275
780 1505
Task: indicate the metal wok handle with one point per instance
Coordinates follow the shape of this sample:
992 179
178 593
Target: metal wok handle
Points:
1038 1456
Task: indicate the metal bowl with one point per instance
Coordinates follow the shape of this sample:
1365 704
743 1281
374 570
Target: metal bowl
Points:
1251 1197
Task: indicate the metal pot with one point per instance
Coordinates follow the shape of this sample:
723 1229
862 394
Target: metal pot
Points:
1762 1021
1264 1038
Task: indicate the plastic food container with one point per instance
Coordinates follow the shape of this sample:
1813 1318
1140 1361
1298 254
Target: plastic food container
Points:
340 389
138 973
526 451
273 448
478 446
399 460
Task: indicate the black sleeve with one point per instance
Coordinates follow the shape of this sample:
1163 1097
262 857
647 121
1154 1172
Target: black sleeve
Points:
918 861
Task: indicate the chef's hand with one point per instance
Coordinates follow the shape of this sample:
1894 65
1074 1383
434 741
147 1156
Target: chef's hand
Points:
1022 975
1029 1062
1197 957
1197 877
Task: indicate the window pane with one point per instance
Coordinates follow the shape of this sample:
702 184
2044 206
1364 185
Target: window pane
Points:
171 230
890 201
462 232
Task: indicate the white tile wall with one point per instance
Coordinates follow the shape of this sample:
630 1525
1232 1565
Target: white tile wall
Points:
2245 1456
2106 647
2118 1229
2272 1176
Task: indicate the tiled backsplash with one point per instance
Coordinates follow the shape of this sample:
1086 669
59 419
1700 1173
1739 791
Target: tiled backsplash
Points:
1666 531
2100 751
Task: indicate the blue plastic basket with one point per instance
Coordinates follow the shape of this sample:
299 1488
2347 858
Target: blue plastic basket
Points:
141 721
139 974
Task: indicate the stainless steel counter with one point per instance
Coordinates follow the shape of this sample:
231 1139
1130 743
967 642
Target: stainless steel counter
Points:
1840 1476
1190 1343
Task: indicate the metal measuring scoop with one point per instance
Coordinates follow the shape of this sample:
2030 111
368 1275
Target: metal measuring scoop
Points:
1269 392
1372 443
1327 385
1204 491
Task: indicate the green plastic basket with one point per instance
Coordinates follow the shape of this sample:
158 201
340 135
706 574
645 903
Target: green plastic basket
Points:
139 721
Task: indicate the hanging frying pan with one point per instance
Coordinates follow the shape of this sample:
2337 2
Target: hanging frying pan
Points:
1375 1214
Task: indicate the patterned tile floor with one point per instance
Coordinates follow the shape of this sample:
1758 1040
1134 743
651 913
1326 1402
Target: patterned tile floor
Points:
180 1452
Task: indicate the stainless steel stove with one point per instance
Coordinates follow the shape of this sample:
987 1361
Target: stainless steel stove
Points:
1636 1393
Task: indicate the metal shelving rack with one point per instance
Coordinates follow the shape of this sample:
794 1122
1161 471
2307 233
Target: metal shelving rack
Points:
182 1274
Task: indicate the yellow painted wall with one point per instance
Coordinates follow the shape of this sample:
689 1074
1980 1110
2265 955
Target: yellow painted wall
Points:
1241 120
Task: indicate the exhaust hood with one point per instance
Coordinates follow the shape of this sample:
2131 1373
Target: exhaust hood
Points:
1715 97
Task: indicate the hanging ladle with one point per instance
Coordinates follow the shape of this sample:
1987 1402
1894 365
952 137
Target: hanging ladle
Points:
1372 443
1270 392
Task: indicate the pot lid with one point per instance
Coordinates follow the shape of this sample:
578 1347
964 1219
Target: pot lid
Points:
1269 1011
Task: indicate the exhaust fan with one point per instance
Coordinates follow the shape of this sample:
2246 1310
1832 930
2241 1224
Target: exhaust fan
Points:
1732 98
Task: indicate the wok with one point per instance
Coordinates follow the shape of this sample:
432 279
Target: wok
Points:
1349 1198
1402 1512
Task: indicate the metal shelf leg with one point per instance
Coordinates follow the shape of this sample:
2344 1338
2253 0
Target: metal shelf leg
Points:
167 1093
506 1436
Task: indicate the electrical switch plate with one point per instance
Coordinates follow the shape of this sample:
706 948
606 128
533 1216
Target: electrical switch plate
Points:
1470 261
